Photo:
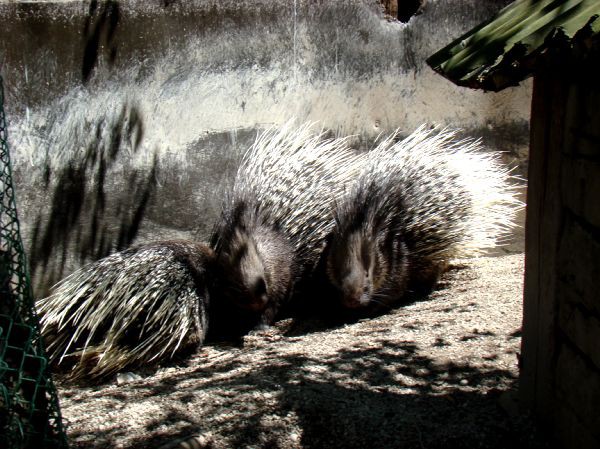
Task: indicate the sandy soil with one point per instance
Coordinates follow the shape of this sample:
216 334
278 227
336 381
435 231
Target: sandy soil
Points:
437 373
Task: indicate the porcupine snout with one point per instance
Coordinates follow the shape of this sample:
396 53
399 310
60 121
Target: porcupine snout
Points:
356 288
248 278
253 282
352 269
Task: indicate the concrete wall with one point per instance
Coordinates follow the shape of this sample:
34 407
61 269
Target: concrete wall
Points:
560 366
174 91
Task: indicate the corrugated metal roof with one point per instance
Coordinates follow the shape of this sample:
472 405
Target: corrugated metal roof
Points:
500 52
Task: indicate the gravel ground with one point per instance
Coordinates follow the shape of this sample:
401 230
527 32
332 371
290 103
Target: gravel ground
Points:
430 374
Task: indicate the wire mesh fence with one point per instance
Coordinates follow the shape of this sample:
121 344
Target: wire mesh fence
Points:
29 409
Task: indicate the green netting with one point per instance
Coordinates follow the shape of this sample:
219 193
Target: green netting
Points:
29 411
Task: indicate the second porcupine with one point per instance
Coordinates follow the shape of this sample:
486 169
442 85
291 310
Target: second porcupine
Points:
134 308
276 217
418 203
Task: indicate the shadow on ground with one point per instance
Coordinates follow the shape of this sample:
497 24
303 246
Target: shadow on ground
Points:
391 397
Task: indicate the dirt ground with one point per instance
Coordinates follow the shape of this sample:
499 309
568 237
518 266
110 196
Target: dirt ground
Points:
438 373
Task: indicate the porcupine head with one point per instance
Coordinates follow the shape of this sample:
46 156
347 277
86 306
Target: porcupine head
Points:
366 261
351 268
256 271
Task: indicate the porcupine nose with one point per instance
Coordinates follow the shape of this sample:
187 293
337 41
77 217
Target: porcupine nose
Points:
357 292
357 299
259 294
365 297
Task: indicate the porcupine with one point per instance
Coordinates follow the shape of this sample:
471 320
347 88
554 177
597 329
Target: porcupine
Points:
134 308
276 217
417 203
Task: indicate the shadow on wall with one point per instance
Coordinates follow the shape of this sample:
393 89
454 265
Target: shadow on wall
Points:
96 202
99 33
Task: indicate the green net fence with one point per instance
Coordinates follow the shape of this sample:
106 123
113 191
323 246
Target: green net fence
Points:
29 411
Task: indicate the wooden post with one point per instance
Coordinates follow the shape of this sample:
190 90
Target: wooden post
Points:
538 352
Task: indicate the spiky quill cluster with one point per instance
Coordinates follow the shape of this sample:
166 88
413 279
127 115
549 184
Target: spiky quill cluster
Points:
418 202
135 307
278 214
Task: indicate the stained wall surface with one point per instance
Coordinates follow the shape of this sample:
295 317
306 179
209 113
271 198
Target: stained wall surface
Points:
126 121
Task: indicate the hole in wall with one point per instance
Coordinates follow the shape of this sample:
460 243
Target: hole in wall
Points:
403 10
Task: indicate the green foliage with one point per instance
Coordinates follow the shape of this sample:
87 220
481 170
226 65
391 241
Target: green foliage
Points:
502 50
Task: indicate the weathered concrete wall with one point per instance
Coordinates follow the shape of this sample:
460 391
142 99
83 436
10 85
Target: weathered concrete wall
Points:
142 149
560 369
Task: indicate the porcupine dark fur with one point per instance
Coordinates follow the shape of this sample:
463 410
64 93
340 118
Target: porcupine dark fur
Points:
277 216
254 271
135 308
418 203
